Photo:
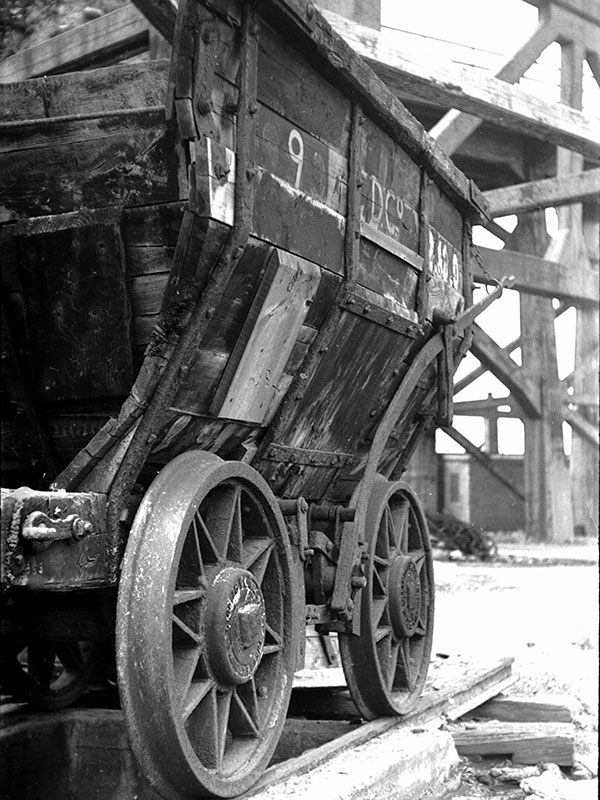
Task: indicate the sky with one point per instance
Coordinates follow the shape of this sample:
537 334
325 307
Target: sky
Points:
483 33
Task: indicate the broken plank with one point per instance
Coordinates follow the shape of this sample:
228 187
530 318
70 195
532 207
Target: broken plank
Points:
524 743
525 708
558 191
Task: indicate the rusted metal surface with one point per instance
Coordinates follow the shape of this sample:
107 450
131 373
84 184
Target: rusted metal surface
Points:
386 665
207 627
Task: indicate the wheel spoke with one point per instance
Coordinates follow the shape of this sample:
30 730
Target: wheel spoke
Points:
202 727
208 548
243 716
273 641
181 596
401 525
378 609
379 583
394 652
195 694
381 632
403 678
256 555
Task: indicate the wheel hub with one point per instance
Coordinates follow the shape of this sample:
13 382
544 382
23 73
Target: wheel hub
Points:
405 596
235 625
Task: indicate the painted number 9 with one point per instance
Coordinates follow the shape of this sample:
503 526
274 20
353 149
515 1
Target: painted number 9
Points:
296 148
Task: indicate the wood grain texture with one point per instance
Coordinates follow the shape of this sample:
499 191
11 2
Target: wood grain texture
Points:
74 283
268 338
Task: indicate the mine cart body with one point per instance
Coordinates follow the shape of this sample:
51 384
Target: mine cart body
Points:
226 324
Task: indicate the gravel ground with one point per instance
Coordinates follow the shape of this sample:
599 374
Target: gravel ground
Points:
544 615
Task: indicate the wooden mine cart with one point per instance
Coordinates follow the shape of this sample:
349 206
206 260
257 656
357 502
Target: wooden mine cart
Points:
224 331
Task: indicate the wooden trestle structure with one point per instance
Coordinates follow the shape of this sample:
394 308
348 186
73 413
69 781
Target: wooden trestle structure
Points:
527 155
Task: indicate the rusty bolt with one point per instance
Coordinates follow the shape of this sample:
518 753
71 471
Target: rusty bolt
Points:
302 505
80 528
253 108
151 439
308 552
373 413
358 582
261 691
389 320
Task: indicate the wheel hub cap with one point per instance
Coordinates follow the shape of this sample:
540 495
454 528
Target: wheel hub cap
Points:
405 596
234 625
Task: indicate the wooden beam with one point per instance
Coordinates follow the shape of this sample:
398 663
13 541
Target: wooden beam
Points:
558 191
483 459
500 364
161 14
535 275
87 44
583 426
588 10
490 406
468 90
525 743
455 127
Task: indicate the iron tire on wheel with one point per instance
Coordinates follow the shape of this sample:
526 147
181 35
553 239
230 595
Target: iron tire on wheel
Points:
386 665
206 621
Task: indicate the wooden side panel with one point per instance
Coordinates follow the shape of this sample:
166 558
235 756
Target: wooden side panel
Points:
444 254
196 392
349 389
268 337
106 89
62 166
390 189
77 311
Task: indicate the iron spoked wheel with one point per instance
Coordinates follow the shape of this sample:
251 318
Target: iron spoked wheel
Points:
386 666
49 675
206 620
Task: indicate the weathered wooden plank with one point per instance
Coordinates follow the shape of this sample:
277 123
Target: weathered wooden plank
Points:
497 360
535 275
294 221
455 127
483 459
105 89
289 85
349 388
559 191
78 317
525 743
389 194
120 30
148 260
388 276
468 90
527 708
268 337
153 226
125 160
338 62
160 13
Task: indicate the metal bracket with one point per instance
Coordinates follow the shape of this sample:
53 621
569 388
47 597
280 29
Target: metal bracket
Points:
41 530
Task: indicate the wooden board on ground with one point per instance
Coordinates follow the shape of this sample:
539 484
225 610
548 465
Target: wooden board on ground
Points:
523 742
527 708
454 687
